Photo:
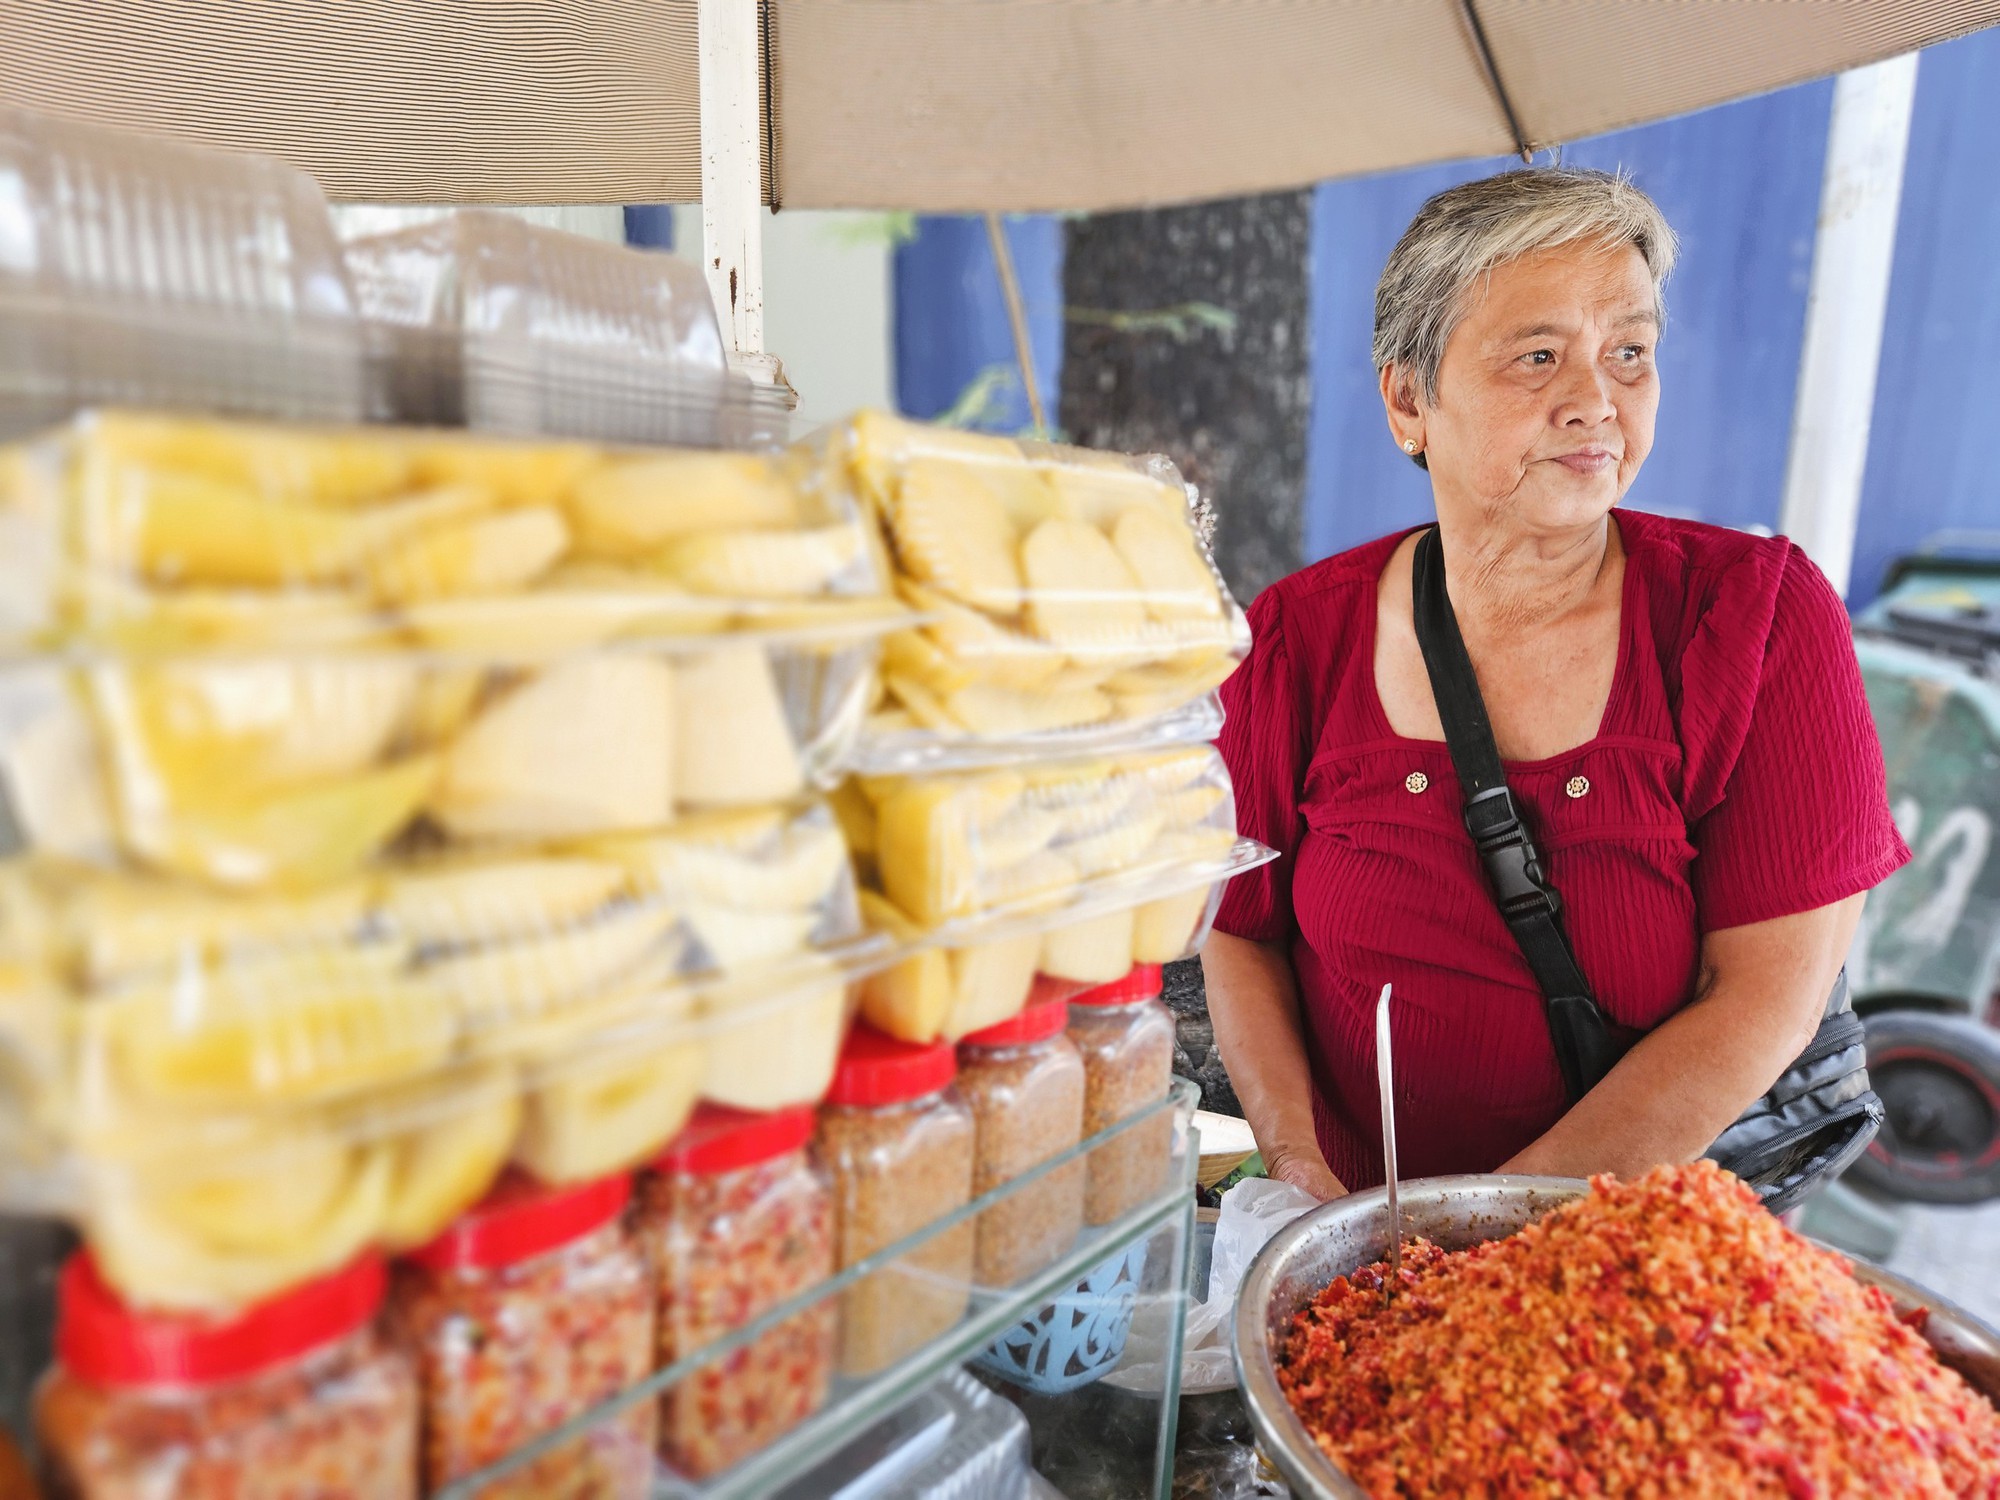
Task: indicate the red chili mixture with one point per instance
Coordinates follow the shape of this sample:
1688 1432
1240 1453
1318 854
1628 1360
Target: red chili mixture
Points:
1660 1337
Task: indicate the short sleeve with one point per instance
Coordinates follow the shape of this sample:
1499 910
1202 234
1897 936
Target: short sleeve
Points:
1262 743
1803 820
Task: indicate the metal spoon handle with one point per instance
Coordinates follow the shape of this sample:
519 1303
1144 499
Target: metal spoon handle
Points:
1385 1083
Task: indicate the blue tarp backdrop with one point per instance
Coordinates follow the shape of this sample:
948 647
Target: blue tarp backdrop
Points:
1741 184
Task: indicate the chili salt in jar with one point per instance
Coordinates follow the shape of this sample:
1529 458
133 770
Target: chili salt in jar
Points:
898 1143
1126 1037
294 1397
736 1220
529 1310
1024 1081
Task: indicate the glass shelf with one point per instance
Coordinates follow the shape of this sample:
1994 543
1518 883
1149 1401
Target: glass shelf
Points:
1154 1236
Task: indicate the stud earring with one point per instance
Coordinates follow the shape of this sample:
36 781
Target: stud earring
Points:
1409 445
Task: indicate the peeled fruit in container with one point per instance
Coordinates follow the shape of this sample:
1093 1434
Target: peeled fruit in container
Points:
605 1113
1163 929
1161 553
732 742
765 1054
1121 846
762 564
442 1168
126 925
1038 883
1099 488
733 937
558 618
516 473
954 533
584 747
292 1027
994 652
486 899
751 861
635 506
301 836
225 1226
911 999
1096 950
990 982
1081 595
496 984
188 529
339 468
998 712
488 554
56 786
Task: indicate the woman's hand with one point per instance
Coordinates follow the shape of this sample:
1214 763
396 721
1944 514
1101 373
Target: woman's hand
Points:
1305 1169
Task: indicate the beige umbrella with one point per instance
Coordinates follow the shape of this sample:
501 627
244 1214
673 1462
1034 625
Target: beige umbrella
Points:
921 104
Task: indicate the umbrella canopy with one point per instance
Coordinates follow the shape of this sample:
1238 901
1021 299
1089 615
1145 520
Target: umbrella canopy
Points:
935 105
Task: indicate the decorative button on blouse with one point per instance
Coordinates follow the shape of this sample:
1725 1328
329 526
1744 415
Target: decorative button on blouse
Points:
1577 786
1416 781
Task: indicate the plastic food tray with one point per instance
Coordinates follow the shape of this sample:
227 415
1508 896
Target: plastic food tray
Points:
140 271
955 1441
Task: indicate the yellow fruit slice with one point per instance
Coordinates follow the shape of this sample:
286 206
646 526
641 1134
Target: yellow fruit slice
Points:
185 529
501 984
953 532
925 850
608 1113
629 508
475 901
856 815
1081 596
1099 488
582 748
734 939
763 564
126 925
291 463
516 473
765 1054
561 617
1117 847
732 741
1038 883
441 1169
1002 712
443 700
990 982
796 867
56 784
1190 805
306 836
484 555
1096 950
923 707
1168 769
260 1207
1163 930
1191 846
1175 680
992 652
915 657
1162 554
1025 831
168 620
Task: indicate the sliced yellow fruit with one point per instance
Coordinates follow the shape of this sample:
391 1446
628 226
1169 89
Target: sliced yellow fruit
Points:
483 555
1026 830
261 1206
632 507
762 564
1117 847
516 473
1096 950
167 620
304 836
990 982
1191 846
559 618
1190 805
1181 677
440 1170
126 925
1163 555
608 1113
856 815
734 938
764 1055
879 445
732 741
1003 712
186 529
292 463
443 700
56 783
1081 595
923 706
912 998
953 531
1042 881
914 656
993 652
1167 769
1163 930
925 850
487 900
500 984
794 868
1099 488
584 747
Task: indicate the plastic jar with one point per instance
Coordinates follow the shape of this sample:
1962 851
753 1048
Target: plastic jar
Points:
529 1310
898 1142
735 1220
1126 1037
295 1397
1024 1081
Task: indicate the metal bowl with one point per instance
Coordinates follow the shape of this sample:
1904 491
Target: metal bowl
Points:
1456 1212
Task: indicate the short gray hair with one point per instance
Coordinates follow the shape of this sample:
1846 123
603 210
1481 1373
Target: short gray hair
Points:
1461 234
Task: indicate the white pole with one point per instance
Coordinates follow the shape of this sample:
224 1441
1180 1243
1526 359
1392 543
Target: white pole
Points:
1859 194
732 193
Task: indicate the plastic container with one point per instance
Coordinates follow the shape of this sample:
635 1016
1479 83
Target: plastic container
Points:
1072 603
736 1220
483 320
139 270
294 1397
1079 1337
898 1143
954 1441
1126 1037
528 1311
1024 1082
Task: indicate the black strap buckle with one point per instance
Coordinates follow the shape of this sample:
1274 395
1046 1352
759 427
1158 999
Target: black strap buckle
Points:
1513 864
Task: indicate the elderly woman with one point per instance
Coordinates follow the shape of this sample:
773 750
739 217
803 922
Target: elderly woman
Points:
1677 708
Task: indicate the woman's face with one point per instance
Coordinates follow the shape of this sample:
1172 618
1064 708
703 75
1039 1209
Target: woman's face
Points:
1547 393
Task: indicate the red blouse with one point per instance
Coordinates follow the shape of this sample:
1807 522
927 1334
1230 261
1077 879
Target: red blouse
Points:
1736 777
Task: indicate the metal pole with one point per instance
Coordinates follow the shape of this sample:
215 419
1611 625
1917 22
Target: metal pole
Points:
732 190
1867 141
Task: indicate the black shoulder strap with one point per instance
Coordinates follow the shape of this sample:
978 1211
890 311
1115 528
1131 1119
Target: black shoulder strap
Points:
1585 1046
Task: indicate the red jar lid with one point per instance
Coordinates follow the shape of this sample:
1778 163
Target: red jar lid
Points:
1143 983
721 1139
103 1340
878 1069
522 1218
1035 1023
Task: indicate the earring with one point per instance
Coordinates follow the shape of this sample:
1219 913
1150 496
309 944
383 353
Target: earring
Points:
1409 445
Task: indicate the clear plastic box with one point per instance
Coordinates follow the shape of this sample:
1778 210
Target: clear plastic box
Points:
737 1219
1070 604
138 270
1126 1037
527 1312
482 320
295 1396
954 1441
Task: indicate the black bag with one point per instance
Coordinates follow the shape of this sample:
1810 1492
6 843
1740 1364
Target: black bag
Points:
1817 1118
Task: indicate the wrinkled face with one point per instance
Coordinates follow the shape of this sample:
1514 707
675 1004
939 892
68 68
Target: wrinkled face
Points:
1547 393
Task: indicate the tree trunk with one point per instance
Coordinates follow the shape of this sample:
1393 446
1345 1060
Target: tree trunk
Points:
1188 332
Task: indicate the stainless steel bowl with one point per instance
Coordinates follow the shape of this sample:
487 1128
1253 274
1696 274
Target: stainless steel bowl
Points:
1455 1212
